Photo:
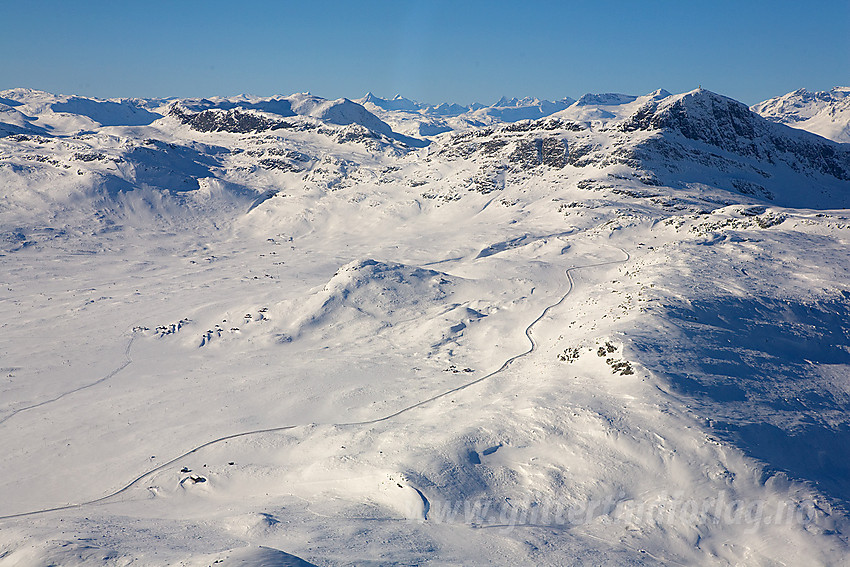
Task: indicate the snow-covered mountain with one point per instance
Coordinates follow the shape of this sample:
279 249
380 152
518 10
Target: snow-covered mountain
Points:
826 113
505 109
296 331
421 119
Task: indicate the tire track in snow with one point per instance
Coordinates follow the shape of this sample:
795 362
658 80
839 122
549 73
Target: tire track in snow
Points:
126 363
528 333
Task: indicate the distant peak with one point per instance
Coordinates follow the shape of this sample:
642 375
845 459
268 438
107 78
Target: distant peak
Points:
605 99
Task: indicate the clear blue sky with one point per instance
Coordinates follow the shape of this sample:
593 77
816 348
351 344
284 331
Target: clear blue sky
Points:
432 51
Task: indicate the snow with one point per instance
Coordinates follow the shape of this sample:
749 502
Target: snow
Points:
107 113
580 339
607 99
341 111
420 119
826 113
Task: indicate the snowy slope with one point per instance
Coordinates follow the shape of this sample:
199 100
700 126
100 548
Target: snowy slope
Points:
278 331
826 113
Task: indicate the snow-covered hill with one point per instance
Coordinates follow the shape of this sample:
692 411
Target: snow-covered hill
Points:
826 113
295 331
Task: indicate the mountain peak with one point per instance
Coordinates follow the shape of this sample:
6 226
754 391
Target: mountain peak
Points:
826 113
699 114
604 99
396 103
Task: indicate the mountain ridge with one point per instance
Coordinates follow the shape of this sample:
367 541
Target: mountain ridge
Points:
674 140
826 113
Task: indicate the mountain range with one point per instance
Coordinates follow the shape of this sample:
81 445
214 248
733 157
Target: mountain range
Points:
296 331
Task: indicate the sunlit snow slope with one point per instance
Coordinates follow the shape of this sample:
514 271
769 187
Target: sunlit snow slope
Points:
292 331
826 113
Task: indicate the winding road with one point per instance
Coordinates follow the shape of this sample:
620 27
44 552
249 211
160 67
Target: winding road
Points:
528 333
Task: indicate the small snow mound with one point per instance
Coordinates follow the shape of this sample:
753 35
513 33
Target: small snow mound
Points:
251 556
407 281
252 524
368 292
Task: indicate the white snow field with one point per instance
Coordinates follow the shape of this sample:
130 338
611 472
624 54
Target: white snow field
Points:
290 331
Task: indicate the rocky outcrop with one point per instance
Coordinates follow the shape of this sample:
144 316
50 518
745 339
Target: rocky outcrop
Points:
730 126
526 144
702 116
549 151
233 120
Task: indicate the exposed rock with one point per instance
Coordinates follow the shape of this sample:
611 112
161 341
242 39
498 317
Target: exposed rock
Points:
730 126
234 120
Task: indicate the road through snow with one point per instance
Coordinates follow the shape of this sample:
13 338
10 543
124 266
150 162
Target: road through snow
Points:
124 365
532 347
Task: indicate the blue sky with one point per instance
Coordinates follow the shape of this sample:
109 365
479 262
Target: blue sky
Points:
432 51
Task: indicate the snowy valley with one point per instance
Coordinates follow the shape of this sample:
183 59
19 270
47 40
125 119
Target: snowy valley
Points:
296 331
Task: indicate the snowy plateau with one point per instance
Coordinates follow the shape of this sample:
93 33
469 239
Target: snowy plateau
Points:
281 331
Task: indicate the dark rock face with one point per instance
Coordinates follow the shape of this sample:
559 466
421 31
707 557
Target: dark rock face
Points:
355 133
89 156
233 120
749 188
545 124
581 155
730 126
826 157
553 152
492 147
340 128
527 153
279 164
540 151
487 182
715 120
526 144
287 153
